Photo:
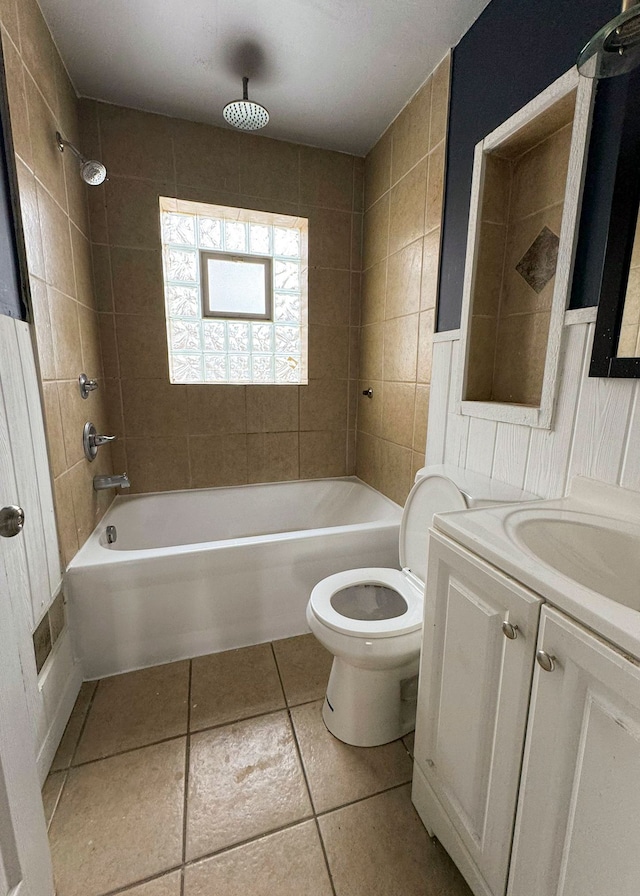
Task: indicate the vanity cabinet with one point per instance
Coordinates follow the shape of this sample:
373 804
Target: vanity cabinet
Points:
578 824
477 661
555 813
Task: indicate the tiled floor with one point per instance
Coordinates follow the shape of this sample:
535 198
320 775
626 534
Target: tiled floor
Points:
217 777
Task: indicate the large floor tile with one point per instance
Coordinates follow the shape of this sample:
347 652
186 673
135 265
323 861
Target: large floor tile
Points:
378 847
69 742
136 709
304 666
51 791
287 863
233 685
244 780
119 820
167 885
338 773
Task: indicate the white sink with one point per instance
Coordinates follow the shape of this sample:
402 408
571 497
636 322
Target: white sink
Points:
596 552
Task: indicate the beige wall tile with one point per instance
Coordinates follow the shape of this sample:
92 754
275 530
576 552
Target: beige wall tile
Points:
355 314
354 352
398 409
540 175
135 144
421 420
103 292
358 184
74 415
404 273
521 346
30 220
142 346
395 463
82 267
47 159
218 409
269 168
16 91
329 238
430 270
489 268
327 178
38 50
158 465
401 349
435 188
517 295
407 208
368 460
370 409
56 244
329 296
322 454
371 351
137 281
9 18
65 518
195 145
496 191
158 408
272 456
374 288
272 408
67 348
377 171
218 460
425 345
323 405
113 407
90 342
482 349
53 424
97 204
44 336
109 345
329 352
440 101
410 133
133 212
376 233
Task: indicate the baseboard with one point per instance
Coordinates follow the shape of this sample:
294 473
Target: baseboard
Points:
56 728
438 825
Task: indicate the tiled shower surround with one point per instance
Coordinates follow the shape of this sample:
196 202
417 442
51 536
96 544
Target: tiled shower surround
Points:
173 436
404 187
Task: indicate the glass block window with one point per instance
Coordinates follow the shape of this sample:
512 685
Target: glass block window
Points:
235 285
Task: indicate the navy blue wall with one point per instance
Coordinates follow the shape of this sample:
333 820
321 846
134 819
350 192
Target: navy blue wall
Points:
513 52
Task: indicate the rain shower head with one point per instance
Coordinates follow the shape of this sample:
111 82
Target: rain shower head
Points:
616 46
245 114
92 172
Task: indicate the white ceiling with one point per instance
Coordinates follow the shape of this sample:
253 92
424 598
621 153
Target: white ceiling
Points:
332 73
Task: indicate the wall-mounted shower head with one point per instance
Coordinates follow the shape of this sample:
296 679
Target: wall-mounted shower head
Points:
244 114
615 49
91 171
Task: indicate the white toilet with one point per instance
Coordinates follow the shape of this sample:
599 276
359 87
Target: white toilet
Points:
371 619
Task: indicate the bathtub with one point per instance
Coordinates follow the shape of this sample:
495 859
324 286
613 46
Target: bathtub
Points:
199 571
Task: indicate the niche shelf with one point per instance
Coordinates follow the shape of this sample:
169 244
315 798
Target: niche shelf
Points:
525 200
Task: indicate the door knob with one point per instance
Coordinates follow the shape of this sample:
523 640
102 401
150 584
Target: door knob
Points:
11 520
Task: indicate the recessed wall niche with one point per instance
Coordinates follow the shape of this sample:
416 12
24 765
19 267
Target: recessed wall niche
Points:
524 212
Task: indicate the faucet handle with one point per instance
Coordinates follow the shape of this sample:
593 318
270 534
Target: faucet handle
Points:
91 441
102 440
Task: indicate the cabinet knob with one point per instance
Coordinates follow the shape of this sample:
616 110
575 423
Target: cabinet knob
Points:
509 631
546 661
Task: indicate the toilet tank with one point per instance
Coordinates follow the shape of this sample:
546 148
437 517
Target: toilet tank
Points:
478 490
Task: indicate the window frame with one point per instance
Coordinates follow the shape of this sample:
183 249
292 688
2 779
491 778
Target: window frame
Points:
264 260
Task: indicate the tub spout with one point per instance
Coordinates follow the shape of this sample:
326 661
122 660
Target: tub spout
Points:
101 482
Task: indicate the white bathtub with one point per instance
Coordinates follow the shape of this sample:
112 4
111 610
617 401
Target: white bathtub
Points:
200 571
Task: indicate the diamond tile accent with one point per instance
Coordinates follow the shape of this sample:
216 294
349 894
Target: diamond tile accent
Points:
538 264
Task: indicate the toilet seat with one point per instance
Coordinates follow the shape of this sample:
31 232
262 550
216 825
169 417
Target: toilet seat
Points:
397 580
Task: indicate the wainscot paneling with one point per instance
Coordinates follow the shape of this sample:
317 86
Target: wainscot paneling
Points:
595 430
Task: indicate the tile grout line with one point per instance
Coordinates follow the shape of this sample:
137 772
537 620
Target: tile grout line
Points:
306 779
187 756
75 750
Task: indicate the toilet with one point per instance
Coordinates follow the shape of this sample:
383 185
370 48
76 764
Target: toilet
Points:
371 619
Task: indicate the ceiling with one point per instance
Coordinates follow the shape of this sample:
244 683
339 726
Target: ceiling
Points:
332 73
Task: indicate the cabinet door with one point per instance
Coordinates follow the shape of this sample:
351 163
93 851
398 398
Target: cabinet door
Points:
578 825
474 694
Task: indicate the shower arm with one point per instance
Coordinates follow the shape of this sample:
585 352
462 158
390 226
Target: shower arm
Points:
62 144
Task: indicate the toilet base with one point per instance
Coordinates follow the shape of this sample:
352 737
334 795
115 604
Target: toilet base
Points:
369 707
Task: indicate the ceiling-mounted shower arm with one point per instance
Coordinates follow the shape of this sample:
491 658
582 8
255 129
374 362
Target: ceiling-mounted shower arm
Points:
245 88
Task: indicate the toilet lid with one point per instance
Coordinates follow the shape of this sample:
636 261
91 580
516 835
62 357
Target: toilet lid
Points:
375 602
432 494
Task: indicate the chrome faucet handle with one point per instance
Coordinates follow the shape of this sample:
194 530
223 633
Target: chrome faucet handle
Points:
86 385
102 440
91 441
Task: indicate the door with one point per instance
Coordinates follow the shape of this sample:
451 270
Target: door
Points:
578 825
25 864
476 667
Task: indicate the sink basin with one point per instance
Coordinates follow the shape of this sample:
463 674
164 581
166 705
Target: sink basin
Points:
596 552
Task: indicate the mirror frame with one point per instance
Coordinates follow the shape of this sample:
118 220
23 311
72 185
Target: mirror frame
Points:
623 219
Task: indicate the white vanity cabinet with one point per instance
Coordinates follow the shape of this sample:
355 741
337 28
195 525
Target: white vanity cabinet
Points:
475 678
557 813
578 824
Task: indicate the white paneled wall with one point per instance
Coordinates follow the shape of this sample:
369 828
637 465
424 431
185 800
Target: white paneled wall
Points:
595 430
